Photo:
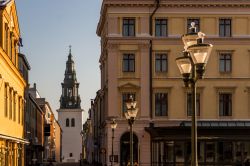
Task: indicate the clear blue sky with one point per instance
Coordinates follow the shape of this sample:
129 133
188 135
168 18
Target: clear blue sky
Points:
48 27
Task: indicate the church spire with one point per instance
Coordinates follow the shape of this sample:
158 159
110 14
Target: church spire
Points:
70 99
70 55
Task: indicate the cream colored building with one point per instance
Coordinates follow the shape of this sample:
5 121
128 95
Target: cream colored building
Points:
12 86
140 40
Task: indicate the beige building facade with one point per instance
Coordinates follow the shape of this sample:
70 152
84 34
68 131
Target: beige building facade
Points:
140 40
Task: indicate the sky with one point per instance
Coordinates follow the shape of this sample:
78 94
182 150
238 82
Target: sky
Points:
47 28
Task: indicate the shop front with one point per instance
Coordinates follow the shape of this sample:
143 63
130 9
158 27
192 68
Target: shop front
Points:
219 143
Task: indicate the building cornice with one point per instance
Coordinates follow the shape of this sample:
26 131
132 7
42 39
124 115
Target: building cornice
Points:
168 4
176 3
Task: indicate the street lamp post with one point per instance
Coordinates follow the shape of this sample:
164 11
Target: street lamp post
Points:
192 67
113 127
130 115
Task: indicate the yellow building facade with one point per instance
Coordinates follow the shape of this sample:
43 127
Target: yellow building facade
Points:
12 87
140 41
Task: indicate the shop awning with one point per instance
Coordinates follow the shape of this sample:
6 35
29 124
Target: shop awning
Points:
224 130
15 139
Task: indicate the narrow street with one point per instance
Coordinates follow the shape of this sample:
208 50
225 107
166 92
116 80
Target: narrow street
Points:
68 164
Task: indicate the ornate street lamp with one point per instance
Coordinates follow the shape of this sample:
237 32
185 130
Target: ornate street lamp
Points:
130 115
192 67
113 127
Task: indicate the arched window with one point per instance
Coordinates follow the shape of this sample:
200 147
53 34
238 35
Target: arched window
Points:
67 122
73 122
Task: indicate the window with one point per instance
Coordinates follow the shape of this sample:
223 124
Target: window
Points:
225 151
19 110
196 21
67 122
6 100
189 104
161 62
72 122
15 55
70 154
225 27
14 110
128 27
161 27
6 38
128 62
161 104
225 62
125 97
22 111
225 104
10 103
11 47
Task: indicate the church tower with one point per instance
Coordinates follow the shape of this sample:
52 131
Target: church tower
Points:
70 114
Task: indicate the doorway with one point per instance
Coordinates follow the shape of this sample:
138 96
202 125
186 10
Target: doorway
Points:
125 149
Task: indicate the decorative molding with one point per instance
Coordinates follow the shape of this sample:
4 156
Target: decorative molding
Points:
199 89
223 51
177 3
145 45
112 45
225 89
128 86
114 35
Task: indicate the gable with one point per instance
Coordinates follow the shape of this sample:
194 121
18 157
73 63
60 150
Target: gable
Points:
128 86
10 13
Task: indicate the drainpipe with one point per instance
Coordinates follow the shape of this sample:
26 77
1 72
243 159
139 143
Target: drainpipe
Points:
150 57
157 2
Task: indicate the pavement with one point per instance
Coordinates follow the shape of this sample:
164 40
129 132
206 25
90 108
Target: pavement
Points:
67 164
70 164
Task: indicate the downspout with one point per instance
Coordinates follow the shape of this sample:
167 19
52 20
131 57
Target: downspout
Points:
150 58
157 2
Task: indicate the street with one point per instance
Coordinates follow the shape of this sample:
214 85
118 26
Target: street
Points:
68 164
